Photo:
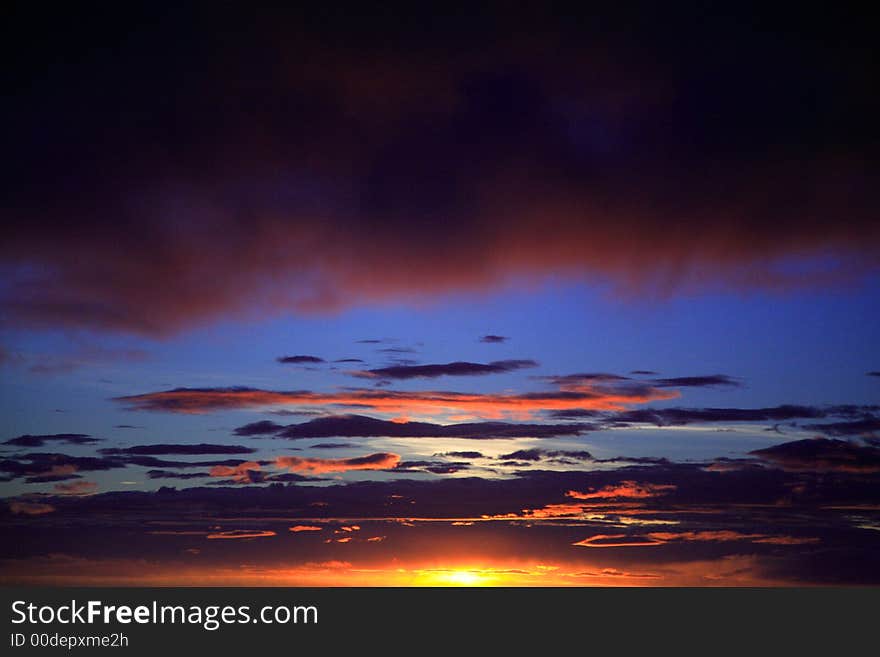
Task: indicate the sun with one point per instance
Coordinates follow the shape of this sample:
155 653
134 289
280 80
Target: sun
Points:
465 578
455 578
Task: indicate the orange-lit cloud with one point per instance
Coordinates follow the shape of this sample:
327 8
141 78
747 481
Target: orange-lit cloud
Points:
713 535
239 473
617 540
660 538
598 397
76 488
305 528
378 461
627 489
787 540
30 508
241 533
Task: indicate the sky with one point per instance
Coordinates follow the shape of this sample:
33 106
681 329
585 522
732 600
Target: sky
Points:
496 297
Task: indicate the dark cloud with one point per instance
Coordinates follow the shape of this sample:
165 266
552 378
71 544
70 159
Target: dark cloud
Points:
571 381
332 445
349 360
823 455
157 463
168 474
494 339
540 454
299 359
697 381
573 414
644 372
353 426
35 464
517 157
458 368
866 426
42 479
681 416
180 449
873 373
261 428
29 440
288 477
463 455
434 467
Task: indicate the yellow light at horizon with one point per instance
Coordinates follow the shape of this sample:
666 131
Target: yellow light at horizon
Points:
454 578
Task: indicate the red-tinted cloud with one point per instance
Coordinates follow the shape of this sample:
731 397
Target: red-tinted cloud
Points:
625 489
78 487
617 540
241 473
378 461
351 173
200 400
30 508
241 533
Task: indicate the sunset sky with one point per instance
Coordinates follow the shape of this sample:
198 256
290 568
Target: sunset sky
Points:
479 298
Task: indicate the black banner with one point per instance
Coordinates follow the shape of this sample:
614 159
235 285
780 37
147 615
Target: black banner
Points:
232 620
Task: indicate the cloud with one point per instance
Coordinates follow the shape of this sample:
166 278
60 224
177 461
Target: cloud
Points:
458 368
726 535
680 416
76 488
36 464
183 449
349 360
243 473
617 540
354 426
241 533
300 360
55 473
378 461
261 428
29 440
83 356
306 528
153 462
876 373
625 489
867 426
332 446
697 382
30 508
539 454
513 159
201 400
494 339
167 474
463 455
434 467
822 455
